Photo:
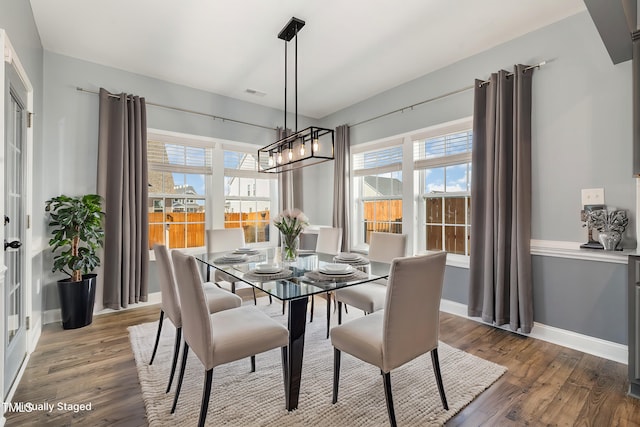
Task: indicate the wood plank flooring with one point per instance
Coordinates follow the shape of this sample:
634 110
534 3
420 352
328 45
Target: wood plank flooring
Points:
546 385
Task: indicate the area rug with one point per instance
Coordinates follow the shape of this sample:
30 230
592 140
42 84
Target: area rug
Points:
242 398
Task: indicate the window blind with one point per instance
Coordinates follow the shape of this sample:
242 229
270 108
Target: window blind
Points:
377 161
443 150
179 158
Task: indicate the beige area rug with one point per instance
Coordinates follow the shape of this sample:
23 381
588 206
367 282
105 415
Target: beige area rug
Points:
242 398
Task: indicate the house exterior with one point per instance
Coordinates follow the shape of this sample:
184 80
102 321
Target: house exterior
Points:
582 138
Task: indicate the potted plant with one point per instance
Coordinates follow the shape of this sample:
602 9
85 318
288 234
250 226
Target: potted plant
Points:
77 233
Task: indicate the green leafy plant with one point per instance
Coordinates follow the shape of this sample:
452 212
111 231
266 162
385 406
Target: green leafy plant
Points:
77 232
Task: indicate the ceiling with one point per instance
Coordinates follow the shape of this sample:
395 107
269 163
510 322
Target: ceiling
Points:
347 51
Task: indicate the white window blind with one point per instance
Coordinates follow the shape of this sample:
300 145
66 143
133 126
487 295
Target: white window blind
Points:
377 161
239 163
179 158
443 150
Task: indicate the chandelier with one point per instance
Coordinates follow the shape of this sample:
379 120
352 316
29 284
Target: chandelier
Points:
307 147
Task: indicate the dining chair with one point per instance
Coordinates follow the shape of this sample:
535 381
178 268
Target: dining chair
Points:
217 300
222 240
370 297
406 328
329 242
221 337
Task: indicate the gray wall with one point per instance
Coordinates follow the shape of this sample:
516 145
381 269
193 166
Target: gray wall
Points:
71 126
17 20
581 139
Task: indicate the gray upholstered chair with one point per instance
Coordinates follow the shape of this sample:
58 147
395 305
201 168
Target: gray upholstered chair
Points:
407 327
217 300
221 337
370 297
222 240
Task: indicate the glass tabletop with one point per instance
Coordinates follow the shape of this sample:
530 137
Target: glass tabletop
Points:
306 276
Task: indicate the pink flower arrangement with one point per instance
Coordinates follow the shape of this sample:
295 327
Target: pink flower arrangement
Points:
291 222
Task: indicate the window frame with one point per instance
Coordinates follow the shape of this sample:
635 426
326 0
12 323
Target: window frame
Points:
214 182
413 209
358 175
243 173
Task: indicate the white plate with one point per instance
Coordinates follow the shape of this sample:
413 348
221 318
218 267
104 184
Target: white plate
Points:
244 249
267 269
336 269
234 257
348 256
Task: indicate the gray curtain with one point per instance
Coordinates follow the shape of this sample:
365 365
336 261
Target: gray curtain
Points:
500 289
341 184
122 181
290 183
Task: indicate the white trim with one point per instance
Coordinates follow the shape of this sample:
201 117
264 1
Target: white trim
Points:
199 140
53 316
572 250
584 343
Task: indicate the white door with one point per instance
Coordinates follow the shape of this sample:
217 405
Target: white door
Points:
15 339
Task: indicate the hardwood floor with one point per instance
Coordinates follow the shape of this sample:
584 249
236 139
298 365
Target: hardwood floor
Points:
546 384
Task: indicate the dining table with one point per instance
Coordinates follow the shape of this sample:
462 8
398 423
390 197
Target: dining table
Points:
292 282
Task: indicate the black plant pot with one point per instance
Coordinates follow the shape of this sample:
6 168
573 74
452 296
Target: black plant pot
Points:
76 301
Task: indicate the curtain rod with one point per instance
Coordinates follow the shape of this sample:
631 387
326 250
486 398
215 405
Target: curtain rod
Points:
455 92
184 110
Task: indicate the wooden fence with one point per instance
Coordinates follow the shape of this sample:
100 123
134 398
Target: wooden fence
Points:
187 230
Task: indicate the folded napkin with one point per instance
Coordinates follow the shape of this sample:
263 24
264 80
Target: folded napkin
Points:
323 277
226 260
265 277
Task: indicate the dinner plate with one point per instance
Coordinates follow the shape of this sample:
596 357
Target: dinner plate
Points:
336 269
234 257
348 256
267 269
245 249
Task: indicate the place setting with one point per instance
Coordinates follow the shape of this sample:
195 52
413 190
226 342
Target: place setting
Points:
266 272
351 258
335 272
246 251
232 258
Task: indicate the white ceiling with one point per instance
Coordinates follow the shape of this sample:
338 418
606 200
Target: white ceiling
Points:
347 52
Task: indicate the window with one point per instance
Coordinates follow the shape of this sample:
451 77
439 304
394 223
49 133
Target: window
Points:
442 166
418 184
247 196
177 193
378 191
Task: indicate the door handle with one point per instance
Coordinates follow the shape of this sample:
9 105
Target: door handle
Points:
14 245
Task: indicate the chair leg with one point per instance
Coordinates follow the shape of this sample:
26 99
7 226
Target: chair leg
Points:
283 304
270 299
255 301
436 369
185 352
285 375
340 312
204 406
329 296
389 398
253 363
155 346
336 373
176 351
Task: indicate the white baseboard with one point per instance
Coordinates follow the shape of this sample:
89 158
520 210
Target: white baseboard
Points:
591 345
53 316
